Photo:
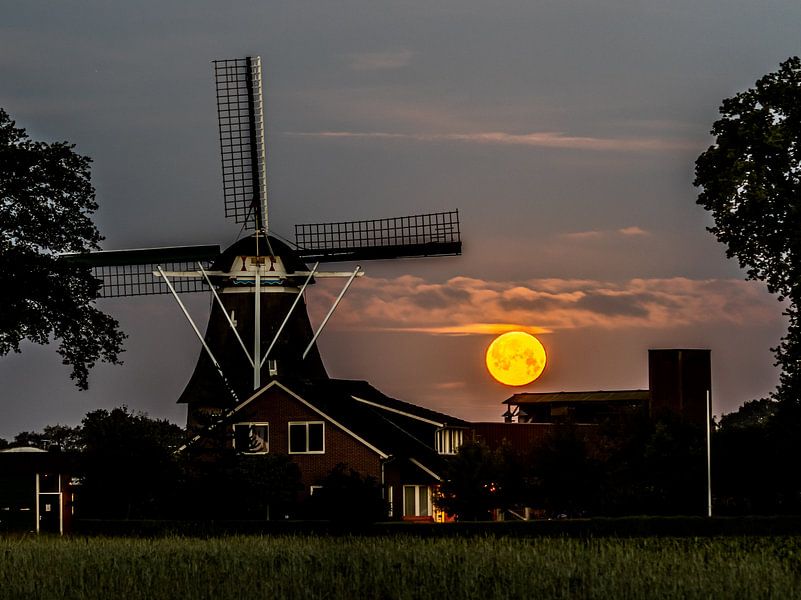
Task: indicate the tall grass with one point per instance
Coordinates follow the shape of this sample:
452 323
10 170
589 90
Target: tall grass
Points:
342 567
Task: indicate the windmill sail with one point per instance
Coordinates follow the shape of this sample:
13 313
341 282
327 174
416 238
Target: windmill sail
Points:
130 272
433 234
240 116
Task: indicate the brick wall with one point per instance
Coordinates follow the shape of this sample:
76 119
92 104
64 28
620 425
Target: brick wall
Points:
278 408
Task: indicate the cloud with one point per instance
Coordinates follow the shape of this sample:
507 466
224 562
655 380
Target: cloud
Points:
469 306
600 234
450 385
379 61
633 231
545 139
473 329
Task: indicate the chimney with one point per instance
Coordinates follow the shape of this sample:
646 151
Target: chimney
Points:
679 380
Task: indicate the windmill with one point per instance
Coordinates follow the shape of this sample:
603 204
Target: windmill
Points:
259 327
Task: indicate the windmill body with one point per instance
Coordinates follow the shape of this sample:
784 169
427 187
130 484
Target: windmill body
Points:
259 328
281 277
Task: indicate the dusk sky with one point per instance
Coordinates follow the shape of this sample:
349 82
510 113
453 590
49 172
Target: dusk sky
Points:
564 132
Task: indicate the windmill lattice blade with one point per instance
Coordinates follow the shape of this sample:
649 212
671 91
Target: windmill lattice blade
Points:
240 116
433 234
130 272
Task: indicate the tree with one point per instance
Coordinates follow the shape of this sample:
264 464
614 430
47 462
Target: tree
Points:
470 489
128 464
748 469
566 475
46 201
751 183
348 496
61 437
233 486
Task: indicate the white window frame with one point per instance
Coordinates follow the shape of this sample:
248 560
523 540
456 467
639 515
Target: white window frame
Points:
306 424
252 423
448 440
429 507
313 489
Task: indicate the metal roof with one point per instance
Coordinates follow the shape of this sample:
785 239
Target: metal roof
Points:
574 397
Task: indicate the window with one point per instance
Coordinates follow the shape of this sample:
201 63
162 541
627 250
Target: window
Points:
313 489
306 438
448 440
252 438
416 501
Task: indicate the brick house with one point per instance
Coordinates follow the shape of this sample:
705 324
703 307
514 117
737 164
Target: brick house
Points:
323 423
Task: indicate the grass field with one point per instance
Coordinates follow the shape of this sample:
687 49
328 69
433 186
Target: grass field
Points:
252 567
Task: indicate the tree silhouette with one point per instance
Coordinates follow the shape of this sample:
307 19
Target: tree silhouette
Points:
751 183
46 200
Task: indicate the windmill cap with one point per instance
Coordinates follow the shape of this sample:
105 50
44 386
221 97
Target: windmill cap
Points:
255 245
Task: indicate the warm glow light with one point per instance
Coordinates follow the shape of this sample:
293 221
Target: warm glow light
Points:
515 358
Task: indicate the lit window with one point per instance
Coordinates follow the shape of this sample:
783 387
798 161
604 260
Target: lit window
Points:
306 438
252 438
448 440
416 501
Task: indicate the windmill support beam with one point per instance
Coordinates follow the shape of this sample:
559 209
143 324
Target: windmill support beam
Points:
227 316
198 334
257 332
333 308
289 313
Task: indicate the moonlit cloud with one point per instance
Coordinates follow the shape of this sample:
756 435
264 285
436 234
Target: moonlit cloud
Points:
606 233
545 139
379 61
482 307
450 385
473 329
633 231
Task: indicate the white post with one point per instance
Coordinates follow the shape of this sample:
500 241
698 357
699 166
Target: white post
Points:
257 332
60 507
37 503
708 453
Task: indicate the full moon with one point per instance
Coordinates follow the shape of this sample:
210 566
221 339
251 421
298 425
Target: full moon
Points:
515 358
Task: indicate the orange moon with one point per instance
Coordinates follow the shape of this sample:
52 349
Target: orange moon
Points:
515 358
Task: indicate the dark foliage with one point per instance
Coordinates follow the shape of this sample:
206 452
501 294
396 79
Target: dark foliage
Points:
750 471
235 486
60 438
750 183
128 465
638 467
347 496
471 488
566 474
46 200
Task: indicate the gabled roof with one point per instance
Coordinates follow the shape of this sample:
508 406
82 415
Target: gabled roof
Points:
389 427
405 432
367 394
578 397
